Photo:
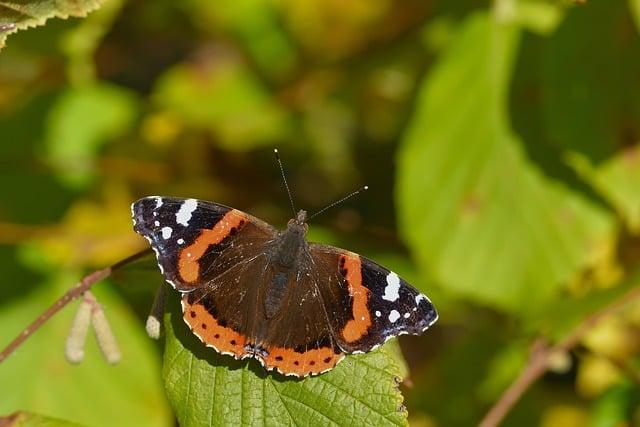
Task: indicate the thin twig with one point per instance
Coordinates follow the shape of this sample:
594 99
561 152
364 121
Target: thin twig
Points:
539 360
80 288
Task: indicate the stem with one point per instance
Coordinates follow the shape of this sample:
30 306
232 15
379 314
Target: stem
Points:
538 363
78 290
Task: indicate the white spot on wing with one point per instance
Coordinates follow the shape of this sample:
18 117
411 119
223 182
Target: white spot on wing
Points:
184 213
392 290
406 315
158 202
166 232
419 298
393 316
378 314
156 223
180 241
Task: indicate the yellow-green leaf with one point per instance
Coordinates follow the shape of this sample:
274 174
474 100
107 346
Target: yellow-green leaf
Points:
477 214
38 378
225 97
206 388
29 419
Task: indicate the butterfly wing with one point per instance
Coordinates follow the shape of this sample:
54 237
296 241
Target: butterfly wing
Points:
299 339
214 255
337 303
380 304
189 236
261 310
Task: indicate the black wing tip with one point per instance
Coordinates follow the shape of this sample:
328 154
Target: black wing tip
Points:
140 213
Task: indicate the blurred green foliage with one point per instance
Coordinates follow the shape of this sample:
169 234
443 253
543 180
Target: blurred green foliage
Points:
501 137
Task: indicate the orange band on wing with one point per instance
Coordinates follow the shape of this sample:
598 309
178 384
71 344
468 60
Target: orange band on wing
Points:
290 362
208 329
357 327
188 265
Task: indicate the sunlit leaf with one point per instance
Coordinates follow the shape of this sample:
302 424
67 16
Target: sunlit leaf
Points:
29 419
82 120
334 28
206 388
223 96
539 16
618 180
476 213
255 23
635 10
560 317
565 415
90 233
596 374
38 378
30 13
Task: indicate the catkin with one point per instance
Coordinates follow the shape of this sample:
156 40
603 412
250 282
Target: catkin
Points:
154 320
104 335
74 347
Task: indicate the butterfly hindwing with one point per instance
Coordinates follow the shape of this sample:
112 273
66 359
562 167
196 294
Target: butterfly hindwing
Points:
381 304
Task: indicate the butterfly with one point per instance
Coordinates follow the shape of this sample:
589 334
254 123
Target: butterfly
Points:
250 290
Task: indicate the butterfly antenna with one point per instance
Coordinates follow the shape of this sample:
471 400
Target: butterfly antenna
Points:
358 191
284 179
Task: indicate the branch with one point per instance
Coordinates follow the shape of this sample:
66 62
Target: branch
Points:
77 291
539 360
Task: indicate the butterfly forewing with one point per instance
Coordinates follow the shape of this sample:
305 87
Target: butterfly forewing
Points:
189 235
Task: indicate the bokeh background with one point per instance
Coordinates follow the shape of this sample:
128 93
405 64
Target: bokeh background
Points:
499 141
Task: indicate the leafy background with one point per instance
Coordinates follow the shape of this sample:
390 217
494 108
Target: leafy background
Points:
500 141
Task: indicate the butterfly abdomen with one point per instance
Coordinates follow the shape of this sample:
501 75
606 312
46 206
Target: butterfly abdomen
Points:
274 294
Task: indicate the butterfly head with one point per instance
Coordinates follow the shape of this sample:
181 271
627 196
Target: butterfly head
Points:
298 225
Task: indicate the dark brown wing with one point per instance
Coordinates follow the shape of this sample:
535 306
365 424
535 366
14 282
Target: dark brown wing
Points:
299 339
259 309
189 235
380 305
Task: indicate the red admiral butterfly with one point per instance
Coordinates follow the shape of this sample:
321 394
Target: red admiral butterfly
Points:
249 290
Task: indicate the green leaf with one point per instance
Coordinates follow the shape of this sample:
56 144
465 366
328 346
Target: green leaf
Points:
38 378
635 12
503 368
617 180
539 16
559 318
587 101
614 407
206 388
82 120
80 42
28 419
226 98
478 215
30 13
600 135
256 25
